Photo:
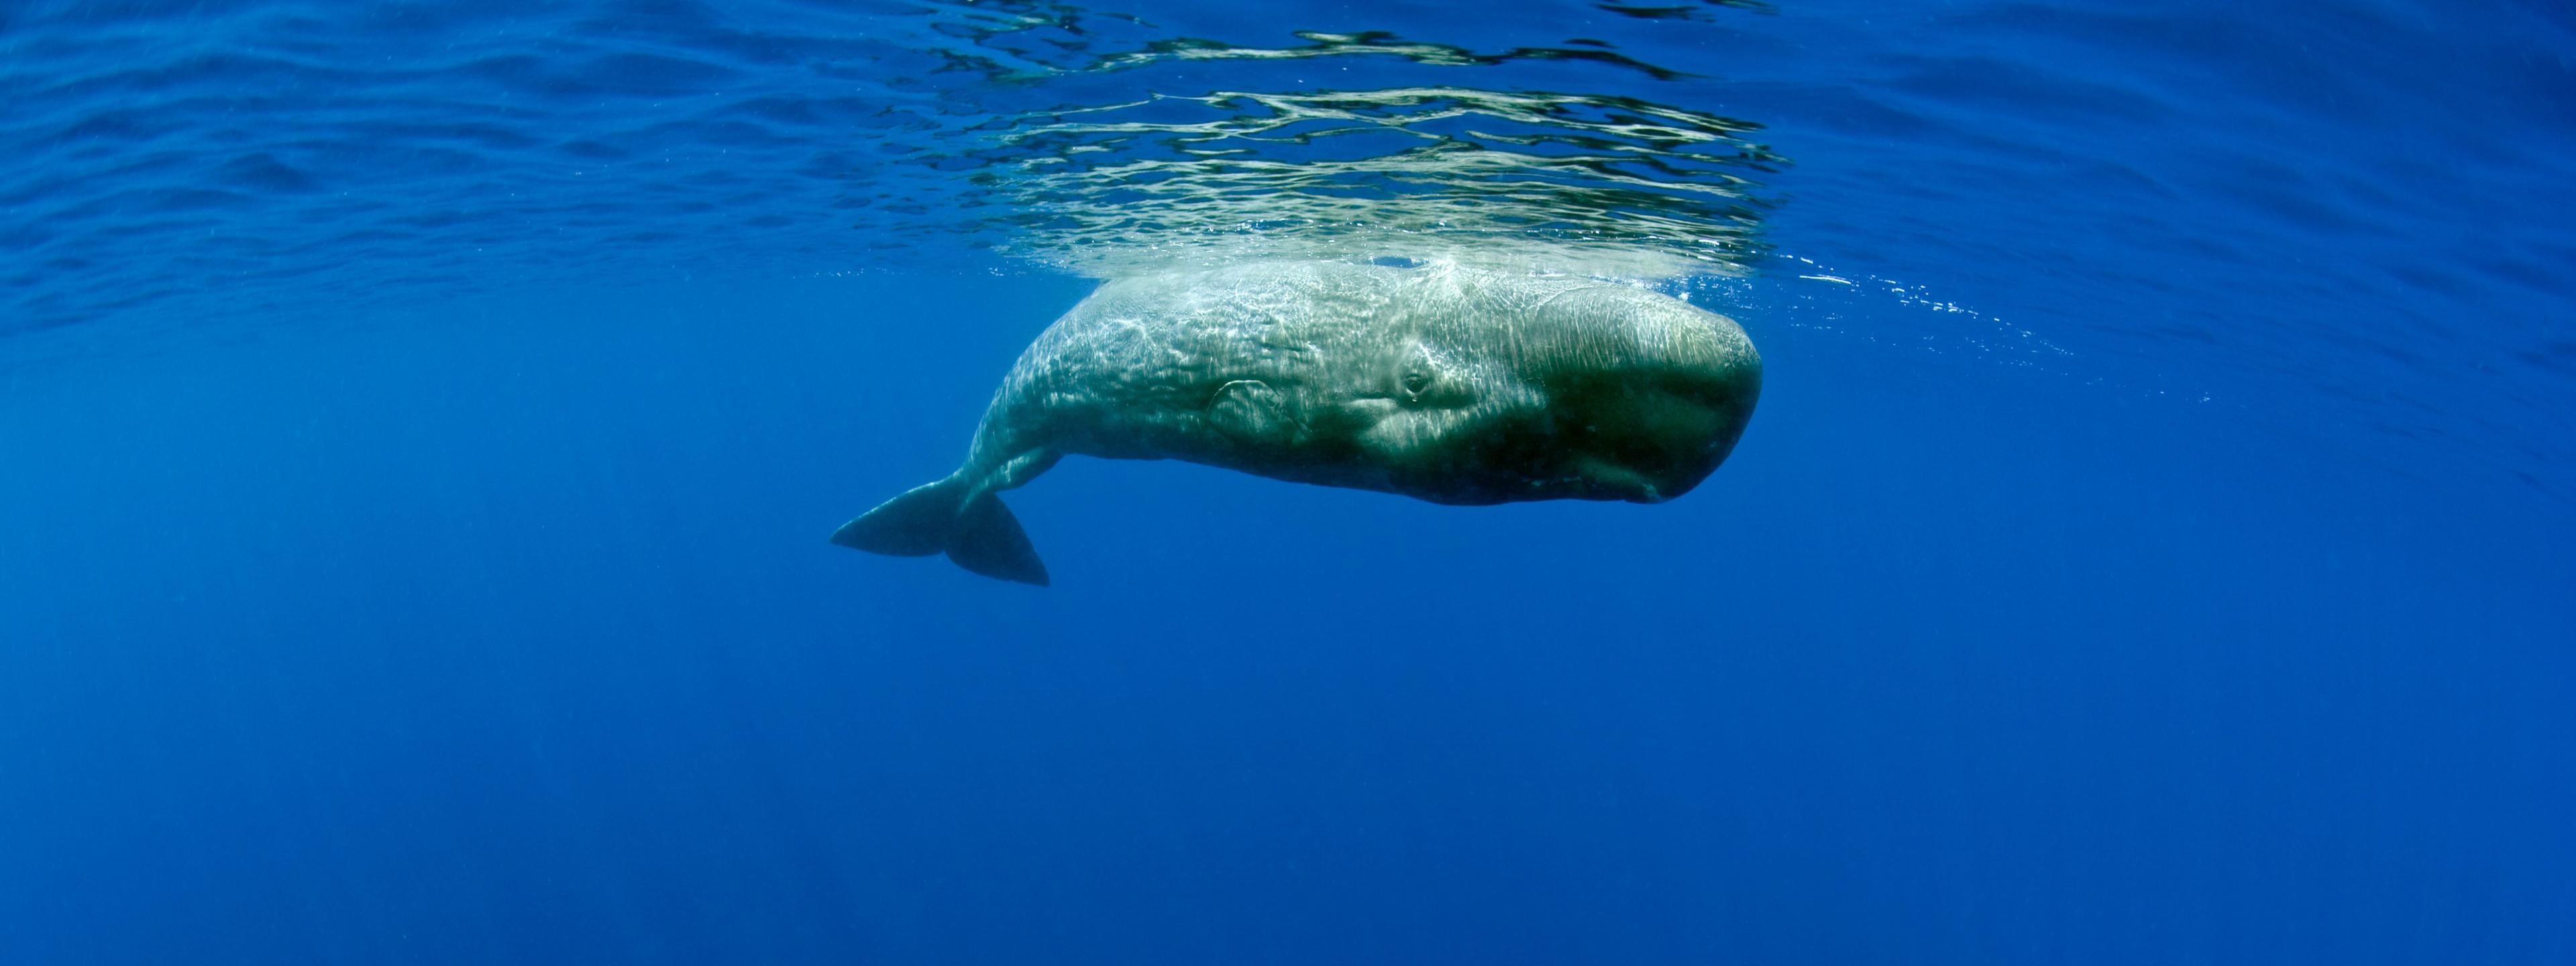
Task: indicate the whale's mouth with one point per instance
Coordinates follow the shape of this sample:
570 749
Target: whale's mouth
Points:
1647 437
1638 440
1611 480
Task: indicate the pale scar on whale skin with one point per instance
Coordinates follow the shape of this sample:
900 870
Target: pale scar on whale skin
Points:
1444 383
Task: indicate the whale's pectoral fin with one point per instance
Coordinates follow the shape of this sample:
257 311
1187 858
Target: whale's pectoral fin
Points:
970 524
1249 411
989 541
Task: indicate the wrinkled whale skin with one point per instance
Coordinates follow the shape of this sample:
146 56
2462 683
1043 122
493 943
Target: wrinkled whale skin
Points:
1446 383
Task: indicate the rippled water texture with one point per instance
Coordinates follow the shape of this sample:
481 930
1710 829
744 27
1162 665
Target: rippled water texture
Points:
272 151
2349 214
1609 185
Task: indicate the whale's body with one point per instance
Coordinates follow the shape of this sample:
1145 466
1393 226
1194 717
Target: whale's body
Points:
1442 382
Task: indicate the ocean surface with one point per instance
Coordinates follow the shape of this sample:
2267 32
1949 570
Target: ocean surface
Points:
420 424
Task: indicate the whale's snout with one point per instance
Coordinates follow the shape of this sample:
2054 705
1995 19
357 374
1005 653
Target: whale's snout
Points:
1614 394
1648 408
1649 434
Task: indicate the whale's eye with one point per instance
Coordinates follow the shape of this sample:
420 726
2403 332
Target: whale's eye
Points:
1415 381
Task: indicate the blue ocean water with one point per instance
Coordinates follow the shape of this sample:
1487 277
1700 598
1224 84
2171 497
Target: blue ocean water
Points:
420 424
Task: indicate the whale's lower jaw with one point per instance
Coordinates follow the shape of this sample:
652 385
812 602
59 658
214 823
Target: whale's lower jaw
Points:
1526 460
1574 476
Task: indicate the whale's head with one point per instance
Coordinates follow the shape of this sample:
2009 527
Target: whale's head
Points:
1599 392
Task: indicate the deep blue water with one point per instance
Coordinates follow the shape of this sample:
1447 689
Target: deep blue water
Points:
419 426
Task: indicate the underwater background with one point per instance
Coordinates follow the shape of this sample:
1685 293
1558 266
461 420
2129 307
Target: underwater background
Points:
420 424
